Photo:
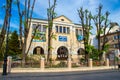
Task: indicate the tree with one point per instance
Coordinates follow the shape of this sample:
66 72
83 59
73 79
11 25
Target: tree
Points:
21 13
93 53
51 15
85 17
25 19
6 21
102 23
14 46
2 51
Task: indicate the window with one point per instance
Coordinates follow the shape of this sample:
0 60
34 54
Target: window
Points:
68 30
44 28
80 32
64 29
116 45
76 31
62 19
118 36
57 29
39 28
106 39
34 26
115 37
60 29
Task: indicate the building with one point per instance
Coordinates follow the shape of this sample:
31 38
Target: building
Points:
68 38
113 39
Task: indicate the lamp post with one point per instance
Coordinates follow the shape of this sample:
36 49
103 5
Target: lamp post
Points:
7 24
5 54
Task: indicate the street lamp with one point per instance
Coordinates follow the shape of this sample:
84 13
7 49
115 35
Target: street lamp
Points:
6 51
5 54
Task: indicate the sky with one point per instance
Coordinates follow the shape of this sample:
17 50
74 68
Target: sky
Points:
67 8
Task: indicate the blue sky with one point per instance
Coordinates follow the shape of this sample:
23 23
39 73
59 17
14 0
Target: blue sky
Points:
67 8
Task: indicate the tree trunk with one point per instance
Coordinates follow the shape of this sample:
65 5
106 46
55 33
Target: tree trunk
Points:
24 54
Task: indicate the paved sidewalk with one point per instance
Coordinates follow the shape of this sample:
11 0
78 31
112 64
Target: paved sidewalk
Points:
22 70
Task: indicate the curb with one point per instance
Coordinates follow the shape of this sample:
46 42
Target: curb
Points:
29 70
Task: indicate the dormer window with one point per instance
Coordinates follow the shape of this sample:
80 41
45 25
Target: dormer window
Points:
62 19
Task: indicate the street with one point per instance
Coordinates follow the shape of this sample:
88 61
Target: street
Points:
86 75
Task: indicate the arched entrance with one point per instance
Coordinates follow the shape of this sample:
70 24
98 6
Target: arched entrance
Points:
62 53
80 51
38 50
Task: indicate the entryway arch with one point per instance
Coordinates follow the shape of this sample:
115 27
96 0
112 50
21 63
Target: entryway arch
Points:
80 51
62 53
38 50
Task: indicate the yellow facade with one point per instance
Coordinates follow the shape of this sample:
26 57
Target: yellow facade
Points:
66 39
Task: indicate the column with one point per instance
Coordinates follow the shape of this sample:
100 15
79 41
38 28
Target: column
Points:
69 63
90 63
42 63
107 62
9 62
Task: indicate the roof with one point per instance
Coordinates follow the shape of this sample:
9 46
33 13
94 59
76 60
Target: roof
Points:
58 19
113 33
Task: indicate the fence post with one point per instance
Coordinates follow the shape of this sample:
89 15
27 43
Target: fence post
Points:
90 63
107 62
69 63
42 63
9 63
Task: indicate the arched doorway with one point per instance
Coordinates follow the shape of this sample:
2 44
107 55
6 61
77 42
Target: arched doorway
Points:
62 53
38 50
80 51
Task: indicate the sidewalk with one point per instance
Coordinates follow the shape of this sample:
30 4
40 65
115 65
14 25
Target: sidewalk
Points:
23 70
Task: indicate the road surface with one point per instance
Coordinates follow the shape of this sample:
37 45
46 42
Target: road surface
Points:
86 75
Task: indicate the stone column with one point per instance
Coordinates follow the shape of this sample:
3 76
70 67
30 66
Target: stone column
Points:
107 62
90 64
42 63
9 63
69 63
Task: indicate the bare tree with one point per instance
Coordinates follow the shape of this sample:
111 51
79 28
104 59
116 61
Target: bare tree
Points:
21 14
98 19
6 21
25 19
85 17
102 23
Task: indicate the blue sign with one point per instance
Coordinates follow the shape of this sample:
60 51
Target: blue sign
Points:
79 37
63 38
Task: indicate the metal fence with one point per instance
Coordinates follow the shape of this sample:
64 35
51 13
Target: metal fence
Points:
56 64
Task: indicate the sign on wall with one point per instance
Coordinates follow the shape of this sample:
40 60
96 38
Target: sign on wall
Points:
63 38
39 36
79 37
